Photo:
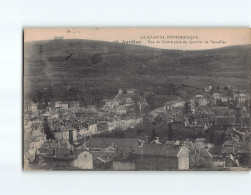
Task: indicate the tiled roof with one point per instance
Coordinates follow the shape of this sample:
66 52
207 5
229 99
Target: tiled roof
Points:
105 155
55 144
105 142
160 150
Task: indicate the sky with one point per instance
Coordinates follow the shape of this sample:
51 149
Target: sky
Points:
164 38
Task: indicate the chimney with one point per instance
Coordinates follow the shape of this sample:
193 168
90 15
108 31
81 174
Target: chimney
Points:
71 136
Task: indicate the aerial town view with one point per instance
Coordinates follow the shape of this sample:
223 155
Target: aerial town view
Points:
107 106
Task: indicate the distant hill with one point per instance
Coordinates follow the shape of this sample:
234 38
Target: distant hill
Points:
86 65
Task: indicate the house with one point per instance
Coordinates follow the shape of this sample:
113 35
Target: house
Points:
99 144
201 101
242 98
103 163
56 153
48 147
33 107
36 124
161 157
229 147
124 124
230 161
130 91
84 160
92 128
103 159
54 144
38 137
60 104
61 135
203 158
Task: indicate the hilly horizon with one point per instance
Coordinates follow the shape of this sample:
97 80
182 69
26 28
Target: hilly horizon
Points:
103 67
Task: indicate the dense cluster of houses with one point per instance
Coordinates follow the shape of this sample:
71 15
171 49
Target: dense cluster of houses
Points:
60 134
73 122
226 110
113 154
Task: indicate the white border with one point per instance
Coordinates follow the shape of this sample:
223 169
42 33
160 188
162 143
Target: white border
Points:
15 15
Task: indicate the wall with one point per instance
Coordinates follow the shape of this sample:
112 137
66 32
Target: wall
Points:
123 166
155 163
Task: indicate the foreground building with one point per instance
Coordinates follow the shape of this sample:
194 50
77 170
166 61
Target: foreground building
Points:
161 157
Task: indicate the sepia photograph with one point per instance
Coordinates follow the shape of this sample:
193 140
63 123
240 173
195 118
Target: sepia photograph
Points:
136 99
125 97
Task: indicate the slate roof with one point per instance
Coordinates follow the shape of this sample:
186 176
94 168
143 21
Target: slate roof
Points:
55 144
105 142
157 150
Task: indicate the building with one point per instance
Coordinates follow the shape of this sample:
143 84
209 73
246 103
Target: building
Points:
123 165
33 107
242 98
230 161
60 104
92 128
130 91
61 135
201 101
84 161
124 124
99 144
161 157
38 137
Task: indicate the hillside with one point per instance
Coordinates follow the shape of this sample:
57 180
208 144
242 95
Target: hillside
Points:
84 66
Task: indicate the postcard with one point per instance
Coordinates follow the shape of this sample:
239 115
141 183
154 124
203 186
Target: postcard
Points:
136 99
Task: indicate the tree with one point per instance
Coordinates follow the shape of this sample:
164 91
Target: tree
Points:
46 128
169 132
187 108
